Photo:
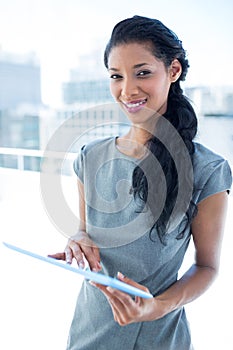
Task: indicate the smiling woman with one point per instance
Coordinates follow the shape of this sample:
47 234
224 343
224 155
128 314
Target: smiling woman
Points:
142 196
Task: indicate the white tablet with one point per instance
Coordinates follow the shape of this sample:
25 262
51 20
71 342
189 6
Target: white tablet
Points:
87 274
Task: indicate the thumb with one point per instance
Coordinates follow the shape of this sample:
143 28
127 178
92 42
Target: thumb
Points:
127 280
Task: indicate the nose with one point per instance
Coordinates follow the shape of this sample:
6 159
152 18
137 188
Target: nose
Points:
129 88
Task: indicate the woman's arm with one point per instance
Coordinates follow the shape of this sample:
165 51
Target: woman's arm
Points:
207 231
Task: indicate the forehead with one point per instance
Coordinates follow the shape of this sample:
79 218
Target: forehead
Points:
131 53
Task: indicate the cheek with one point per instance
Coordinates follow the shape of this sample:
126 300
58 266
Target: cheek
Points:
114 90
159 88
151 85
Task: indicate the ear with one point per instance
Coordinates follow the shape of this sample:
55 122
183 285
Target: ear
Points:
175 70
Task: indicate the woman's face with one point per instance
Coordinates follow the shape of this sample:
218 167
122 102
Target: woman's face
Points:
139 80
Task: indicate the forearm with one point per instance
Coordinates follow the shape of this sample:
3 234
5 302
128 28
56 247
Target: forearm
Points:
127 310
192 284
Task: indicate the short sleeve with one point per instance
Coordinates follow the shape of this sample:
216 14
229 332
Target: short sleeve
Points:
78 164
219 180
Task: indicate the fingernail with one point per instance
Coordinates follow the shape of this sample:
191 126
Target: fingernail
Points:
97 268
81 264
120 275
92 283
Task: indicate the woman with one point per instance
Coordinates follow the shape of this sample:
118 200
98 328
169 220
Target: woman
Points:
173 189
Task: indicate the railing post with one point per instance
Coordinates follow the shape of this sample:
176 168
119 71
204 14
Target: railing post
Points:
20 161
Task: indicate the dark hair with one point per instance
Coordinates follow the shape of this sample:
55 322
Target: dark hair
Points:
165 46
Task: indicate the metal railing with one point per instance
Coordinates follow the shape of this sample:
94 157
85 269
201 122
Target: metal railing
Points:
17 158
32 160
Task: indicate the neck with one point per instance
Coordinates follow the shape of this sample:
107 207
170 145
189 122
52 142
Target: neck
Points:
133 143
142 132
137 135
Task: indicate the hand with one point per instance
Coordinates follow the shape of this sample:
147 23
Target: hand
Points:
78 248
125 309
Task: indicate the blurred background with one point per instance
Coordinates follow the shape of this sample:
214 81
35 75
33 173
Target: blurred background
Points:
51 70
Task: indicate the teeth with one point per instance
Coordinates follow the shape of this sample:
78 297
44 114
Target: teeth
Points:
132 105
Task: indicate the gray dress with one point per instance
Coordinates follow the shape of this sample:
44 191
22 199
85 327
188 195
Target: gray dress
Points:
122 233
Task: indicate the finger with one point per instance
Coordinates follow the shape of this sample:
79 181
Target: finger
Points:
115 295
104 290
96 254
127 280
108 295
85 242
121 312
116 313
58 256
123 306
100 286
68 255
118 316
120 300
92 256
76 252
89 250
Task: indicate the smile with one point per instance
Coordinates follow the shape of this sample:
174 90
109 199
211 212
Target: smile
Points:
135 105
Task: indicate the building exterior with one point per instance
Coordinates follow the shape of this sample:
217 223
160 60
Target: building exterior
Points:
212 101
89 81
20 81
20 128
20 100
94 91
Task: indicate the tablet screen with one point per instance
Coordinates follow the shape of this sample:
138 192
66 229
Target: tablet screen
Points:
87 274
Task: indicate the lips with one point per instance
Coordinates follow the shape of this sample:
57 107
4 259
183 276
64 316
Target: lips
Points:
134 106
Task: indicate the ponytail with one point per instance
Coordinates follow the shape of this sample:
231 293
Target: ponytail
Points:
182 117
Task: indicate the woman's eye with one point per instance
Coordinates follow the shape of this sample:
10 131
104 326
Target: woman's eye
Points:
115 76
143 73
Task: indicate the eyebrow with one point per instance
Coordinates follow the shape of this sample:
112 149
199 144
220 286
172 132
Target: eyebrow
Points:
135 66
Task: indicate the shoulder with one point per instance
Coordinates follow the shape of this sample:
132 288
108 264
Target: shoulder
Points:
204 156
212 172
205 161
90 154
97 144
94 151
